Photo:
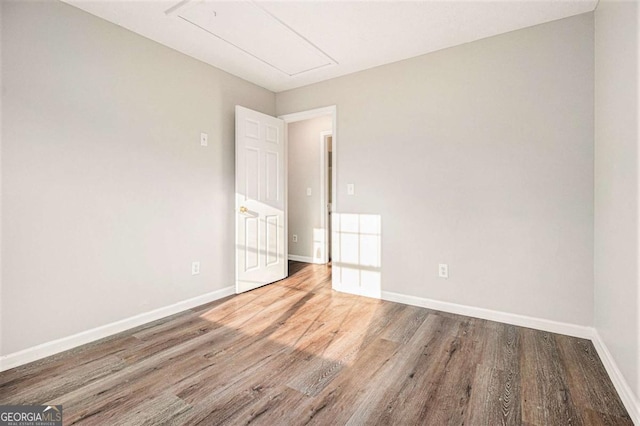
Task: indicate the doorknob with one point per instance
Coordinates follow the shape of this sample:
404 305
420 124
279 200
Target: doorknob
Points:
243 209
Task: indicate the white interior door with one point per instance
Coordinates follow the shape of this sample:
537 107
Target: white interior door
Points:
261 252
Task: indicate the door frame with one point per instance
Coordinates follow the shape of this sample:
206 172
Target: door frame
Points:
306 115
324 192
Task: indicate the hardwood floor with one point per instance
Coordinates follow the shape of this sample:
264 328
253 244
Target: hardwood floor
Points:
295 352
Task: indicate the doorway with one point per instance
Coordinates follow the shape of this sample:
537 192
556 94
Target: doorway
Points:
311 183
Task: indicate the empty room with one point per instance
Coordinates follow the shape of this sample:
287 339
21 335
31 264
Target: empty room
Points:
320 212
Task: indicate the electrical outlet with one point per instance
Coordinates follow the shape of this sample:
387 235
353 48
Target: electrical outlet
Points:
195 268
204 139
443 270
295 238
308 192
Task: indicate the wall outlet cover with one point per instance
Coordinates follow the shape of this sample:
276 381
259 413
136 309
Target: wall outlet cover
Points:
443 270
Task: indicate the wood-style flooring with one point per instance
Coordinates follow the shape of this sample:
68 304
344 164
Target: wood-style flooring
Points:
295 352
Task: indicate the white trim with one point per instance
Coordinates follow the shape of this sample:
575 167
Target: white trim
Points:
235 199
306 115
305 259
629 399
324 195
569 329
358 290
43 350
285 135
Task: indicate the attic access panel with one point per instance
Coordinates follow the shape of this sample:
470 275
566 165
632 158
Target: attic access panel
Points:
250 28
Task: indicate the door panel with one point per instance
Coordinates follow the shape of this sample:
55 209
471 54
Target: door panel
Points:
252 246
260 206
273 134
271 240
252 172
272 173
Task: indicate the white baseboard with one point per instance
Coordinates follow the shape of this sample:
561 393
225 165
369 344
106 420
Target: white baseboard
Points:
35 353
305 259
628 397
364 292
568 329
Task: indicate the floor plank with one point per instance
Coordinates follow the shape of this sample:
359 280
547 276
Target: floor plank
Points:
546 395
295 352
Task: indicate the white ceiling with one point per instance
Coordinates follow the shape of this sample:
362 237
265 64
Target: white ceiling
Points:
281 45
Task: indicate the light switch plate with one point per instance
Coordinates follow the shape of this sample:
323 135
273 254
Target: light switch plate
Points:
308 192
351 189
204 139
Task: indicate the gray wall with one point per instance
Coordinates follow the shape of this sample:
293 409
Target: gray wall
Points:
617 298
107 194
479 156
304 172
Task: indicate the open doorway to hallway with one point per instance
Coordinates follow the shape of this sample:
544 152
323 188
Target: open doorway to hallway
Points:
310 189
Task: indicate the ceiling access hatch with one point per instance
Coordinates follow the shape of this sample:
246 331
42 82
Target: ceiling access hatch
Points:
250 28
